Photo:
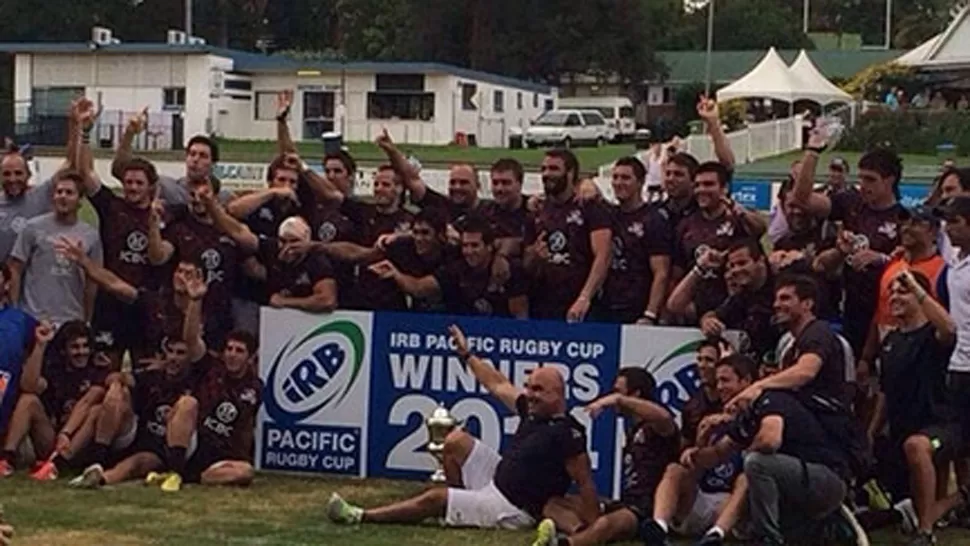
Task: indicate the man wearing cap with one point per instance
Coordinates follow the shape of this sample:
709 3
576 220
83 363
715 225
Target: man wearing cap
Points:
836 182
294 278
919 230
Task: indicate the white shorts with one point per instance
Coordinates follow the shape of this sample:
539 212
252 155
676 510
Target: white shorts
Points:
481 504
703 514
127 437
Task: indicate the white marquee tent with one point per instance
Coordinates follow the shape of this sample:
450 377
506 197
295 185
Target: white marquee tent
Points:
813 85
773 79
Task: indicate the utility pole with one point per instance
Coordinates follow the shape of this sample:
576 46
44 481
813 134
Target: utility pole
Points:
188 18
805 16
710 47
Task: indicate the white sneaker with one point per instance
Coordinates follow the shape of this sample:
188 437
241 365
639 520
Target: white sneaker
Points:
861 539
91 478
910 521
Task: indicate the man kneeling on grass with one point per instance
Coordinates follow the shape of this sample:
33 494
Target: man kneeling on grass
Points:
512 490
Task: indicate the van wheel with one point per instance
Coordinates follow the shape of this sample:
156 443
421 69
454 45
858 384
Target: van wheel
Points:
567 143
600 142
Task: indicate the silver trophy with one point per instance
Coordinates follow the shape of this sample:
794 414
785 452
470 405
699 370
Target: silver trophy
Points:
439 424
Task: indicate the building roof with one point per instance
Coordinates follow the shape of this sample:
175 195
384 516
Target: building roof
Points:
947 49
728 66
244 61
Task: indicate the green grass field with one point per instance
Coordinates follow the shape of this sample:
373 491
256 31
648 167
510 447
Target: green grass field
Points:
280 511
437 156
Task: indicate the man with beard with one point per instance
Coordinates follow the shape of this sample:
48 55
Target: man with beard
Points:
509 490
508 210
715 225
651 444
417 254
156 396
201 153
693 502
29 382
72 383
294 279
194 237
749 304
919 231
466 285
51 286
18 201
869 220
463 184
123 226
568 244
219 416
636 286
816 365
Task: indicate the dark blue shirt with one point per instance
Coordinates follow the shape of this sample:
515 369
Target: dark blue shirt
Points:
16 336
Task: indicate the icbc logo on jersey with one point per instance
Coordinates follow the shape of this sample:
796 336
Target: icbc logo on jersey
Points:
135 245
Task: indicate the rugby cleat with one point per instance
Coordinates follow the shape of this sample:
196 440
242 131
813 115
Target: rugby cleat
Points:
6 469
91 478
545 533
711 538
923 539
172 483
653 534
155 479
341 511
910 521
44 472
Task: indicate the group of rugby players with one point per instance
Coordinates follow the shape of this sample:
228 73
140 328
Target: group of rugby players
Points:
128 350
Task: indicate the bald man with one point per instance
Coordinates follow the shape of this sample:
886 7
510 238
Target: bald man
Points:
509 491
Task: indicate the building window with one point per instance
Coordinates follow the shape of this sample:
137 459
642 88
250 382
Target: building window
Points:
498 97
535 100
54 101
173 98
399 82
518 100
238 85
414 106
468 91
265 109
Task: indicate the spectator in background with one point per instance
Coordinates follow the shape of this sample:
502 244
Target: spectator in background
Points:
201 154
963 104
50 285
892 99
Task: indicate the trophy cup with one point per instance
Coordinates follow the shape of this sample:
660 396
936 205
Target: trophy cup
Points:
439 424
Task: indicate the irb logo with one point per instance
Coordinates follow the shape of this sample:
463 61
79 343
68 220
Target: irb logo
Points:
314 371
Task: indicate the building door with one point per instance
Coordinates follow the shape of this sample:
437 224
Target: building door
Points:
318 113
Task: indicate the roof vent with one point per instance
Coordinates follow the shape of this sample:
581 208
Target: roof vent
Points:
177 37
102 36
195 40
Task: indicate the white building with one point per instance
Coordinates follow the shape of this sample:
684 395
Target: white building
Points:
190 88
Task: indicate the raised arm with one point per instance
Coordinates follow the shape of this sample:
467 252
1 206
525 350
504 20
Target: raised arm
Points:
225 223
655 416
708 111
159 251
244 205
351 252
946 329
804 192
192 325
31 381
96 272
490 378
284 101
123 154
410 175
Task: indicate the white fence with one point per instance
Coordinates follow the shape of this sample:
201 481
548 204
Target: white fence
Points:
754 142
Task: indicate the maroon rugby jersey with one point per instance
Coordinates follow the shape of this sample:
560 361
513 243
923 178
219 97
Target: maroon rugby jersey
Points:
124 235
227 411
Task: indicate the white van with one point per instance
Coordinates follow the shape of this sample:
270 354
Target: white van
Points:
618 112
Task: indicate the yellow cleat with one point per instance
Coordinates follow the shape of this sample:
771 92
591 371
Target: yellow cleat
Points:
155 479
172 483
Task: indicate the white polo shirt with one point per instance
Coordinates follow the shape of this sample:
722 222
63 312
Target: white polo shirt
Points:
958 285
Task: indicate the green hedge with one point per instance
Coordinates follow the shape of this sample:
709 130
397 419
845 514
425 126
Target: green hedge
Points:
910 132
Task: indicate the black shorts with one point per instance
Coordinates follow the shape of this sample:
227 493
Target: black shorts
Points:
950 437
642 508
200 461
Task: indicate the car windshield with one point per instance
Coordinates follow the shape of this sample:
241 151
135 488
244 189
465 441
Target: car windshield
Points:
552 119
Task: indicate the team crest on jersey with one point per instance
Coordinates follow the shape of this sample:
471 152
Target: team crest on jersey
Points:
303 280
636 228
266 213
557 241
483 306
575 217
227 412
726 229
889 229
403 227
248 396
226 240
18 224
640 437
211 259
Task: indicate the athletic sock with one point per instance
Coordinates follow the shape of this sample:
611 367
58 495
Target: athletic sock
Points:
59 462
176 459
715 531
663 525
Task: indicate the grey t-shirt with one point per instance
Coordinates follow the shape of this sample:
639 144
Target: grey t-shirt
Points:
14 214
176 192
53 286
